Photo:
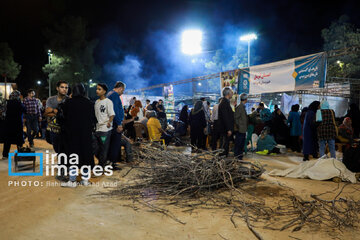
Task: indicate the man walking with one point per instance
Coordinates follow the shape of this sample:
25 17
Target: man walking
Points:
241 125
226 119
115 143
32 116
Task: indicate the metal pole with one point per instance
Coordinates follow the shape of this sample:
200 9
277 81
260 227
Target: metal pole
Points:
49 57
248 53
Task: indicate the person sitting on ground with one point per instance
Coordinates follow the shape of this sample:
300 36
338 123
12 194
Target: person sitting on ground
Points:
266 143
126 143
154 129
346 131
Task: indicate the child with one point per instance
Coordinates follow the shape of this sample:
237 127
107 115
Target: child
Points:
104 112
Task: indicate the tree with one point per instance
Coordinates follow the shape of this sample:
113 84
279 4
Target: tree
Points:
342 35
8 67
223 62
72 58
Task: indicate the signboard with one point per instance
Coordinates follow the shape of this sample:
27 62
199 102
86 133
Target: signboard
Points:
289 75
230 79
169 102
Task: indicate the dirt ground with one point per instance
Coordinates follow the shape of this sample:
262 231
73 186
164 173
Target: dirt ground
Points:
52 212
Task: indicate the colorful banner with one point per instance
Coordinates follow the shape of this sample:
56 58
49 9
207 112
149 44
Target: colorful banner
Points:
230 79
289 75
169 101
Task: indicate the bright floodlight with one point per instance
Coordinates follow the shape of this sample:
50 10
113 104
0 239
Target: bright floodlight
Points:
191 42
38 82
248 37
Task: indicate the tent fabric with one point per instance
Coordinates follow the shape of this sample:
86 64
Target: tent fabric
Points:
321 169
287 101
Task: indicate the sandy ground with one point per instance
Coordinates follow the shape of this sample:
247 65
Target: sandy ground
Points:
52 212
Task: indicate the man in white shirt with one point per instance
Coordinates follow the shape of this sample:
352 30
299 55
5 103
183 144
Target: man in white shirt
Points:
104 112
215 130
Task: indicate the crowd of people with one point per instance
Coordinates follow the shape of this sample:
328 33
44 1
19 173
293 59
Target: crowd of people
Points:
307 132
72 123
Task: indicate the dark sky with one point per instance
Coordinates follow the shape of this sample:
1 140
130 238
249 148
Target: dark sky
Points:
285 28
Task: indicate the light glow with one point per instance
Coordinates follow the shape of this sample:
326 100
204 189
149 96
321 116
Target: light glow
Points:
248 37
191 42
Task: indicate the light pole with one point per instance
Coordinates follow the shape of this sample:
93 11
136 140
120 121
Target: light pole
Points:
49 58
191 45
248 38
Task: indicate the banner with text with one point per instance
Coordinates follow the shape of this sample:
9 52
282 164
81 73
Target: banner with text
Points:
289 75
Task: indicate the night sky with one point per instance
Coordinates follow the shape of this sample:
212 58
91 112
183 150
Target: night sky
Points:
139 28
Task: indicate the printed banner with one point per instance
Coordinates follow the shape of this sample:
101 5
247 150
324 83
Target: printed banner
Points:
289 75
230 79
310 72
169 102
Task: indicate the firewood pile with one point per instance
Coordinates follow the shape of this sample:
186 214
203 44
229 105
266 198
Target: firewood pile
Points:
207 180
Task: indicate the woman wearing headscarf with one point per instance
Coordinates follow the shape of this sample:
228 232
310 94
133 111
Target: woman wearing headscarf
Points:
279 128
13 132
295 128
266 144
197 125
354 114
137 110
327 129
78 124
310 143
346 131
184 115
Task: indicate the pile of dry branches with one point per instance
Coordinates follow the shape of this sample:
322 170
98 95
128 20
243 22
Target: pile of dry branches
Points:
207 180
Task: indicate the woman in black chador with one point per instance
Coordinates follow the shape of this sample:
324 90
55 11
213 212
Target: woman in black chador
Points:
13 124
197 125
77 126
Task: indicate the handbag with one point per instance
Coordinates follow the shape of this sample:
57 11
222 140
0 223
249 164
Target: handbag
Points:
336 128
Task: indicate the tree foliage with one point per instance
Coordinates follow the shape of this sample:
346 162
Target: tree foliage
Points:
341 34
8 66
72 59
223 61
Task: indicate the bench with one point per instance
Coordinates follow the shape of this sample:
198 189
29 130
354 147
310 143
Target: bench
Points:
18 159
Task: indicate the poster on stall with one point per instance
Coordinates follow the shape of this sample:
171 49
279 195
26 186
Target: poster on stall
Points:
289 75
169 101
230 79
